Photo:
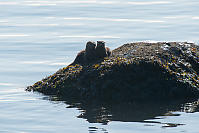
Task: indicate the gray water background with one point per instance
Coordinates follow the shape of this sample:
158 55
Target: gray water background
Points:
37 37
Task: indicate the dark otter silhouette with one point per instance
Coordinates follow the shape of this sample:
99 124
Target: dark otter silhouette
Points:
100 49
92 52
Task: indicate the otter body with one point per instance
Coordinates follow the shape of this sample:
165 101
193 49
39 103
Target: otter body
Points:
100 49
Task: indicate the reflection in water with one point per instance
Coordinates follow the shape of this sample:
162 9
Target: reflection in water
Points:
95 129
171 125
147 112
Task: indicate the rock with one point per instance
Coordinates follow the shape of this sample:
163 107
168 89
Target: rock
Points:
175 51
108 51
80 57
133 72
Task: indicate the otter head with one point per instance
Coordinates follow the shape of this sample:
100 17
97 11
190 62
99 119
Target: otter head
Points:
100 44
90 47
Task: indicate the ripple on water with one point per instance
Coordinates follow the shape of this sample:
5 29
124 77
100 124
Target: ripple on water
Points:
38 37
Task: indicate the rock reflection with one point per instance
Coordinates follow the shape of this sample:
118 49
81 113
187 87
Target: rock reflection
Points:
95 129
171 125
97 112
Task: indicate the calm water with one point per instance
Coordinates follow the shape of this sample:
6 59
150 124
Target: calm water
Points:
37 37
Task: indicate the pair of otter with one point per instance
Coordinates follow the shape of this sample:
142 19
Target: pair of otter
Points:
92 52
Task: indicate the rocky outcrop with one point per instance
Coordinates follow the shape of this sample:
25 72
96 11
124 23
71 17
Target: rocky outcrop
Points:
133 72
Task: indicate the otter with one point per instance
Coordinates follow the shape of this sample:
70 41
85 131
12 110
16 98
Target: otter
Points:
92 53
100 49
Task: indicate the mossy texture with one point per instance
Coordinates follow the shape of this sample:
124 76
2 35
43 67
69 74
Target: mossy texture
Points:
134 71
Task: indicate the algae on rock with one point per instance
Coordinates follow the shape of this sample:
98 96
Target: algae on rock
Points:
134 71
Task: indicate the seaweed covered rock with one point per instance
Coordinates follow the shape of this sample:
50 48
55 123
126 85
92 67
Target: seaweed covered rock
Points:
132 72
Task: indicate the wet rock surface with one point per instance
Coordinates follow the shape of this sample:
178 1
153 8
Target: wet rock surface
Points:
133 72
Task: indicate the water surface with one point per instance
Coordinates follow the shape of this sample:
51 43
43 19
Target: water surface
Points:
38 37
